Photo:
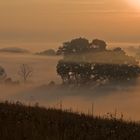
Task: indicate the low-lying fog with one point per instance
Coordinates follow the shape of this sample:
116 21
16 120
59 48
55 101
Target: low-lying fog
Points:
124 99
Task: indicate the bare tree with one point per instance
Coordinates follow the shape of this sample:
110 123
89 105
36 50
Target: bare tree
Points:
25 72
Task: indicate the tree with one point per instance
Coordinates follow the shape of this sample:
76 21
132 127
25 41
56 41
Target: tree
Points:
49 52
97 44
82 68
75 46
2 74
84 73
78 67
120 50
25 72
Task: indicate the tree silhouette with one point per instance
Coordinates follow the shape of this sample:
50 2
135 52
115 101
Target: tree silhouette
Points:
49 52
83 73
25 72
2 74
97 44
120 50
81 68
75 46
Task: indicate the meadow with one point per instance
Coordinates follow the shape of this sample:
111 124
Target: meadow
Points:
19 122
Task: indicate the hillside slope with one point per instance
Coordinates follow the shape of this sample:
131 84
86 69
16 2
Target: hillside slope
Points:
19 122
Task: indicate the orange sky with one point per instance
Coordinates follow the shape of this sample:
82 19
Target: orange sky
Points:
47 23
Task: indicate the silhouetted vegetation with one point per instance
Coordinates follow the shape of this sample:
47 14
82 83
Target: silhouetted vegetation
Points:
49 52
81 45
79 73
25 72
4 79
85 62
2 74
97 45
75 46
19 122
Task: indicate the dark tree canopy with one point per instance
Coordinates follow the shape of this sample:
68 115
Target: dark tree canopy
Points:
2 73
82 73
81 45
120 50
75 46
98 44
89 62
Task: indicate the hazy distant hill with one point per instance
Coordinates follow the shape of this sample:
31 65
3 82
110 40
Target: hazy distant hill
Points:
14 50
49 52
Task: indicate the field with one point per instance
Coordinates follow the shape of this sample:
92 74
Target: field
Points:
19 122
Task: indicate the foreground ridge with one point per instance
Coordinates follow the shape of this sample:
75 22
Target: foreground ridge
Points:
20 122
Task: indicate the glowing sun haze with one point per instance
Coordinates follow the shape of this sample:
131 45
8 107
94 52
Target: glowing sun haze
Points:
38 24
135 3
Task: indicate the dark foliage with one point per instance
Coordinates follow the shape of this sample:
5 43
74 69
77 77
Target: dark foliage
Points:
75 46
97 44
49 52
2 74
119 50
18 122
81 45
86 62
86 72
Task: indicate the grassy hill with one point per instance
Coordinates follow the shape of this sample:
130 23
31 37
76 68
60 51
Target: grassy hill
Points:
19 122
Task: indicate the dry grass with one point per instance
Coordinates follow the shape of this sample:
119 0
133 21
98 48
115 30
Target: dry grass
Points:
19 122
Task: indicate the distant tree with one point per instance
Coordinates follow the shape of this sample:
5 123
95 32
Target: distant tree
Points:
75 46
80 68
25 72
120 50
51 84
3 74
49 52
97 44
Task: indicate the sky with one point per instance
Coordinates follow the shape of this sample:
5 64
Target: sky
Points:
40 24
